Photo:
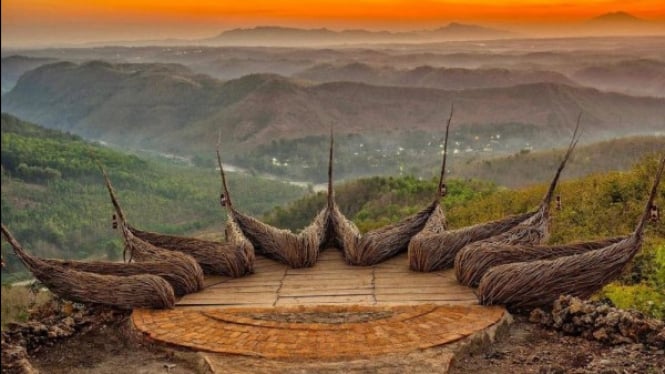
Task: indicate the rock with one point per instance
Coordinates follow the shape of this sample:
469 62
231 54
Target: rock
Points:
557 320
602 309
554 369
568 328
588 308
538 316
68 321
575 306
636 347
67 308
620 339
56 332
612 318
600 335
38 328
558 304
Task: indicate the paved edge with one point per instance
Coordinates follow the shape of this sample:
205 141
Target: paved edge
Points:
412 328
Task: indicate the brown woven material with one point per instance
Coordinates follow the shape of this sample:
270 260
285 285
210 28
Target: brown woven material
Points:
488 255
525 285
430 251
435 251
232 232
530 232
296 250
341 233
534 230
383 243
126 292
143 251
213 257
176 275
240 243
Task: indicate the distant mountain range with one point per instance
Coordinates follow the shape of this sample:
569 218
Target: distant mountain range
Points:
617 17
430 77
287 36
637 77
609 24
621 23
167 107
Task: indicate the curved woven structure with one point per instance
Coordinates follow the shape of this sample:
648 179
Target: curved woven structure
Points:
532 231
239 242
435 251
430 251
176 275
214 258
126 292
296 250
487 255
383 243
524 285
143 251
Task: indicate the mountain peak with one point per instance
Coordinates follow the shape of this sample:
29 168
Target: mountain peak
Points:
619 16
456 28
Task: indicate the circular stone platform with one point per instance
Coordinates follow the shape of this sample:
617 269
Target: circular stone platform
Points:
331 310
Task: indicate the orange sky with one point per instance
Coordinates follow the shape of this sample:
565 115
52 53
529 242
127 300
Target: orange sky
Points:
74 20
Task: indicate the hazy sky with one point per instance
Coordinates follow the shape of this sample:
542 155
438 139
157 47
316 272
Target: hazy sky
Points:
57 21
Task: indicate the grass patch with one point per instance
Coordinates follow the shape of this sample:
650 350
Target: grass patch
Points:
642 297
18 301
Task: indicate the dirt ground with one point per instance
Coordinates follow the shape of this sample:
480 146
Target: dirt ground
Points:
523 348
530 348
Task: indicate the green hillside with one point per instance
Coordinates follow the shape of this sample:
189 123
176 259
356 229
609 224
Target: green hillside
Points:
596 206
54 200
526 167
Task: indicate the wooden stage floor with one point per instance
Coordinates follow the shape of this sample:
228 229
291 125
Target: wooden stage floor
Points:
332 281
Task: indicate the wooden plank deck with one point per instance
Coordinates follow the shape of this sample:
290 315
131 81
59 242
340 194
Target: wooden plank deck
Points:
332 281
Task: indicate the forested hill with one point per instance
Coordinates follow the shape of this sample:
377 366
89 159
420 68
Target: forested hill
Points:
54 200
527 167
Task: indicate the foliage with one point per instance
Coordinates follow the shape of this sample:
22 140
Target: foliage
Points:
374 201
17 301
640 296
527 167
55 202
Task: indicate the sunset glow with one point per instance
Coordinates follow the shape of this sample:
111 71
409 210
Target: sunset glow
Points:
80 20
